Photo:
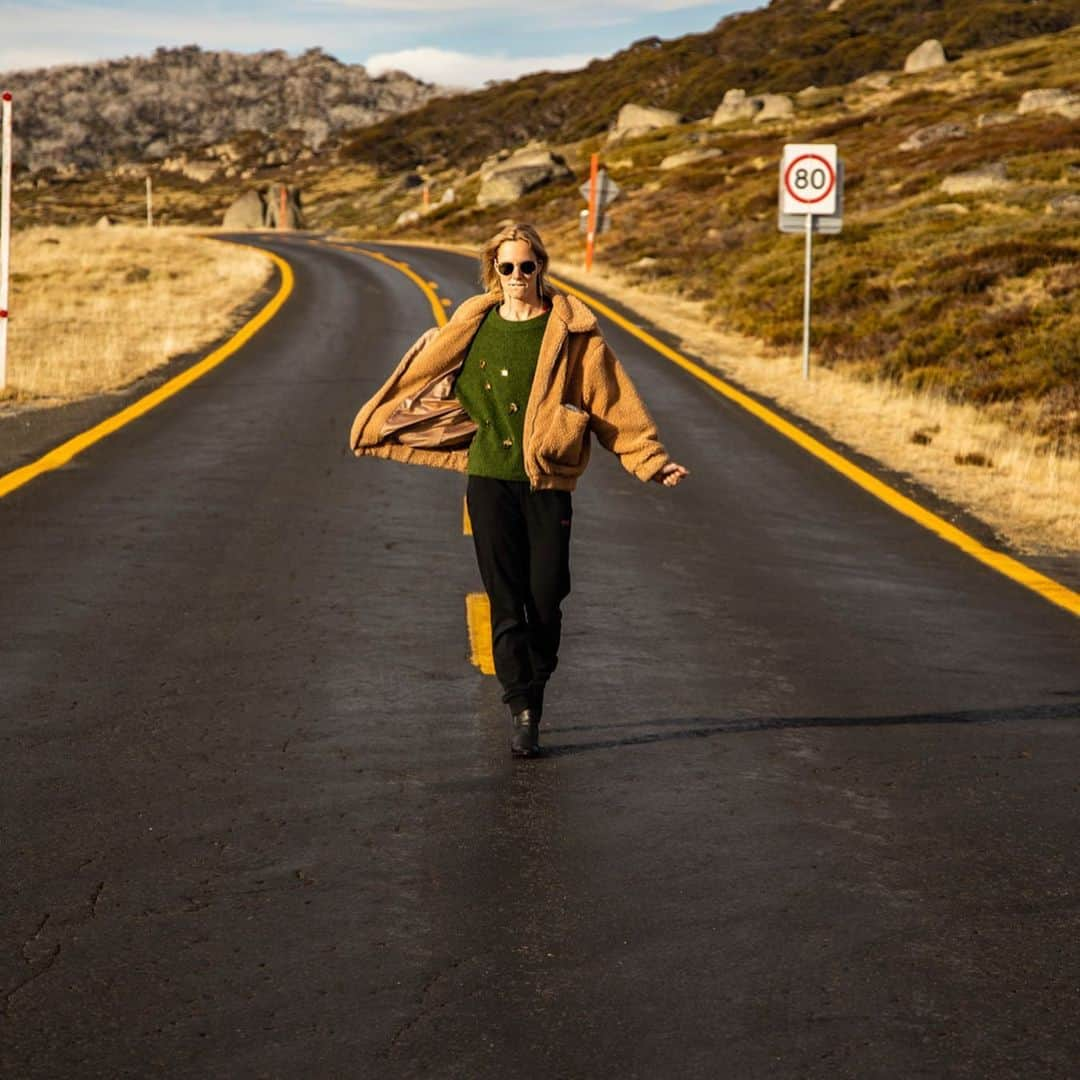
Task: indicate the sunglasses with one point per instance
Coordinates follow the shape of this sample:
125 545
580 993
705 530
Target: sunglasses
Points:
507 268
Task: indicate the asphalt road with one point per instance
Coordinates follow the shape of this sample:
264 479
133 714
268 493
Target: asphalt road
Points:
809 807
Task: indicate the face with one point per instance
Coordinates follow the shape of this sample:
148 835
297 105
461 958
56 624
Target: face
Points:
517 284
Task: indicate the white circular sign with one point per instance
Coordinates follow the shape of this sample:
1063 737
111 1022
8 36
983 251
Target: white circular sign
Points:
809 179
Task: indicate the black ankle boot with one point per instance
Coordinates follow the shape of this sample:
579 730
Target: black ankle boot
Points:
525 741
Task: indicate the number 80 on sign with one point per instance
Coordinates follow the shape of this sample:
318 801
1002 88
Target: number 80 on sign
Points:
808 183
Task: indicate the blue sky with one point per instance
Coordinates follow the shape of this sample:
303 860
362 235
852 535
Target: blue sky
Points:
439 40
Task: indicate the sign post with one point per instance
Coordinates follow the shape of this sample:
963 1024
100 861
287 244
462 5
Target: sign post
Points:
5 229
599 191
811 200
149 202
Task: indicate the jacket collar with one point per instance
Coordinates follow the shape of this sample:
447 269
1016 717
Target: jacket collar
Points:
568 310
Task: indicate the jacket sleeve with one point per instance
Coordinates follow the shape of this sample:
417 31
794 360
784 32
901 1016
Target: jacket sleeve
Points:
618 416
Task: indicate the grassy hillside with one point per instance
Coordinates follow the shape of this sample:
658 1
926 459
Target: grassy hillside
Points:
975 293
785 47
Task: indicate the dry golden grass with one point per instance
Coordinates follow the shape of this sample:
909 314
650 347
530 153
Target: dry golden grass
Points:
94 309
1030 497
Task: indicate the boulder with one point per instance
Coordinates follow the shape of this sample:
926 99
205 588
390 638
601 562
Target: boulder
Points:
407 217
689 157
928 56
835 5
1061 102
199 171
294 216
512 176
935 133
736 106
774 107
986 178
246 212
103 222
447 197
634 120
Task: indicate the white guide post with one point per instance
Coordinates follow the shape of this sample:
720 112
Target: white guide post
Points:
806 297
5 231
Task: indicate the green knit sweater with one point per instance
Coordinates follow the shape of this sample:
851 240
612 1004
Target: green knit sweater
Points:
493 387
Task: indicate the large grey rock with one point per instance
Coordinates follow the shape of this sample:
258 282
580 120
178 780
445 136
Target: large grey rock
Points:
508 185
986 178
407 217
736 106
935 133
690 157
774 107
1061 102
294 216
504 179
634 120
246 212
928 56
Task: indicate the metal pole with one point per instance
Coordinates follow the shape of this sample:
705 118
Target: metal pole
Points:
149 202
806 298
590 228
5 230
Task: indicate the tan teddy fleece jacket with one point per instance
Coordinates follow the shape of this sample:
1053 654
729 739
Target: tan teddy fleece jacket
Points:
579 388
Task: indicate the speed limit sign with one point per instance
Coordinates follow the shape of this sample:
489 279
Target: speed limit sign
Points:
808 179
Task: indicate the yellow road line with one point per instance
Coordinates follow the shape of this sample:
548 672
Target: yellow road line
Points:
1017 571
63 453
477 606
436 304
478 614
466 521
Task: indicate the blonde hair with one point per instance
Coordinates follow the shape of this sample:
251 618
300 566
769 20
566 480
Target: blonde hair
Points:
519 230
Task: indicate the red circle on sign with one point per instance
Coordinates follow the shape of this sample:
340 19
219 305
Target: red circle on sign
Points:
828 169
7 95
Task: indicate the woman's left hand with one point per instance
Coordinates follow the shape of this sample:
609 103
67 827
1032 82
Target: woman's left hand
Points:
671 474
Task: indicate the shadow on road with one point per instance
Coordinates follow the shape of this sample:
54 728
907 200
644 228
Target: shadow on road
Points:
701 727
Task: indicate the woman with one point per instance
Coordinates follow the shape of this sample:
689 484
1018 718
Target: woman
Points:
510 391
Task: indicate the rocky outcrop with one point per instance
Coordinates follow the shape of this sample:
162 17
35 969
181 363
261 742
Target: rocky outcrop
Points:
504 179
738 106
262 210
928 56
774 107
247 212
635 120
146 108
1061 102
935 133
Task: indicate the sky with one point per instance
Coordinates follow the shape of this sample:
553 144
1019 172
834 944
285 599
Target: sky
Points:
456 44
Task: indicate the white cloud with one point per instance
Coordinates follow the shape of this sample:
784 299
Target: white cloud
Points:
469 69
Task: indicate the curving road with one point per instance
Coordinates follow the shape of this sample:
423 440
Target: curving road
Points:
809 808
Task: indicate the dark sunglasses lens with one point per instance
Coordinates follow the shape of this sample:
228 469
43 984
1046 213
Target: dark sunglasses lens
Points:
507 268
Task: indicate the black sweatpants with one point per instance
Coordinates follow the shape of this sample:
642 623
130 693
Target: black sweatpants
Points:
522 541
